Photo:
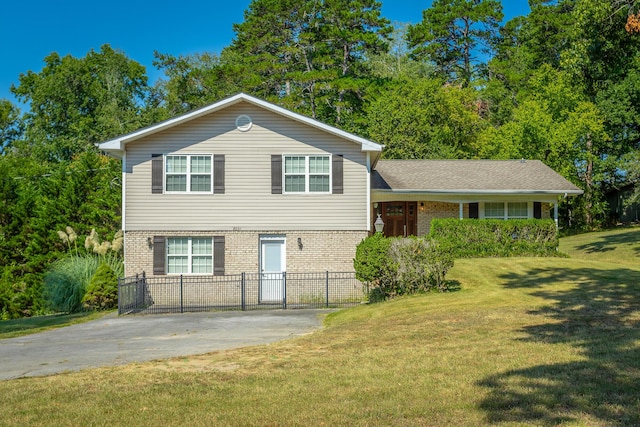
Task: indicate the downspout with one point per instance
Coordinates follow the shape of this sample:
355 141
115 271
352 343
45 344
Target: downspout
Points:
368 192
123 210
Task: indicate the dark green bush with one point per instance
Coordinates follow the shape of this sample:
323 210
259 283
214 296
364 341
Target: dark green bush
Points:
102 292
400 266
474 238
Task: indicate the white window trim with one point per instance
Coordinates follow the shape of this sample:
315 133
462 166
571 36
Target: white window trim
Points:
505 215
189 255
188 173
306 174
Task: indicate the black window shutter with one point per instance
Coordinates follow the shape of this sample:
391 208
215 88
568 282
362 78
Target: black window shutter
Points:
276 174
537 210
159 250
157 172
218 173
218 256
474 211
338 174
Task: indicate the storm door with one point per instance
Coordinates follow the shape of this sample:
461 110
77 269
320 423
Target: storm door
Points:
272 265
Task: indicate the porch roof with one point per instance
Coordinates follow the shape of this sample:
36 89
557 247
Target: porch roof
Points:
469 177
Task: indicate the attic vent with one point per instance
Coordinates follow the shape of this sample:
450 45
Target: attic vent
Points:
243 123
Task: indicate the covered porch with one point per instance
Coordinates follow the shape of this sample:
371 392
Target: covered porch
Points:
408 194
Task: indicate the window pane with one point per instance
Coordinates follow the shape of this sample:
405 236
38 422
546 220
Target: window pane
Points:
178 246
176 164
201 164
202 264
294 183
318 164
202 246
176 183
494 210
319 183
294 164
518 210
201 183
178 264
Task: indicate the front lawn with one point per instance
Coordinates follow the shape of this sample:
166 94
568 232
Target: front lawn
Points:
525 341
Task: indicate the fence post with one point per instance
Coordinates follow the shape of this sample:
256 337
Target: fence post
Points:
119 296
181 301
243 285
284 289
327 288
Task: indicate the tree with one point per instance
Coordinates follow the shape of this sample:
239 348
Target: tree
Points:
454 33
192 81
555 122
424 119
74 103
10 125
308 56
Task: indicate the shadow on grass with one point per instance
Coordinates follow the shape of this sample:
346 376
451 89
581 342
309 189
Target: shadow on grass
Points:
608 242
599 316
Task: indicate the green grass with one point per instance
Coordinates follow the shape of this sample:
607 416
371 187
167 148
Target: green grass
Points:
618 246
31 325
525 341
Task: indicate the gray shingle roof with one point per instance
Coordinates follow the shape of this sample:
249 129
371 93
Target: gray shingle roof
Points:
469 176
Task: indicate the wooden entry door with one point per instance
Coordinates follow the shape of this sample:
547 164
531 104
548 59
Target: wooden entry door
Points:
400 218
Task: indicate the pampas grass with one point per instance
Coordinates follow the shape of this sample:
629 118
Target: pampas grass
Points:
66 282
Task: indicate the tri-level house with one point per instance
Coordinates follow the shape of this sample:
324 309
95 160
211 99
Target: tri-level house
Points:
244 185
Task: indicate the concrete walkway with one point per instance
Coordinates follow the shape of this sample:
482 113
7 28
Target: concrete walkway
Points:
115 340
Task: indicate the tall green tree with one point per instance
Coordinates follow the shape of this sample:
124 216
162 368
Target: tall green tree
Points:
425 119
454 34
10 124
308 55
76 102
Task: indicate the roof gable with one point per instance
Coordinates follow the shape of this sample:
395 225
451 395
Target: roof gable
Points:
117 145
469 177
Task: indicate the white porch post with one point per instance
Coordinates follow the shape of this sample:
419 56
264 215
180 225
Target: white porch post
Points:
555 213
461 211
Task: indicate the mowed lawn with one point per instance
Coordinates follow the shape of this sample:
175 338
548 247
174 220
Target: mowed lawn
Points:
524 341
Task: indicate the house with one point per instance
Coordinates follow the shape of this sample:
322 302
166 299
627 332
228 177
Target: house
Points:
243 185
408 194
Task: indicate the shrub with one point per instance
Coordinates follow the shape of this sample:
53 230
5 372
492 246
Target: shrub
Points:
421 264
401 266
102 292
496 238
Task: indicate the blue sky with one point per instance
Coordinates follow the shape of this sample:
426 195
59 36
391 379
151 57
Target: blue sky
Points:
31 30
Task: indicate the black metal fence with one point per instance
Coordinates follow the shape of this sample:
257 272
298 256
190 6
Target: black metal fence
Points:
246 291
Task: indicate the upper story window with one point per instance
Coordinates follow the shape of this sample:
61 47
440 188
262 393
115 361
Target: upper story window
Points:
511 210
307 174
188 173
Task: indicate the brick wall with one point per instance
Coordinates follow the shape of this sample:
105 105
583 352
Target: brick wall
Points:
433 210
320 251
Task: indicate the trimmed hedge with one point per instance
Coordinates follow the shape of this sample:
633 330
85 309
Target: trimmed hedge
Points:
474 238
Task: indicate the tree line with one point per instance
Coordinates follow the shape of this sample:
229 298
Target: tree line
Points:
561 85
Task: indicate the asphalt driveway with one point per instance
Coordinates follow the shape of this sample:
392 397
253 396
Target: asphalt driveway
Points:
115 340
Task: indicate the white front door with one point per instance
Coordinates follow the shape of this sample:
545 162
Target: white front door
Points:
272 265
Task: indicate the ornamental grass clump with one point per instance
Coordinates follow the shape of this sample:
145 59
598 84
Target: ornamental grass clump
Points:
67 281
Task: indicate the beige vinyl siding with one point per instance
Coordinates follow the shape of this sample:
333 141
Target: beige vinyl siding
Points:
247 203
